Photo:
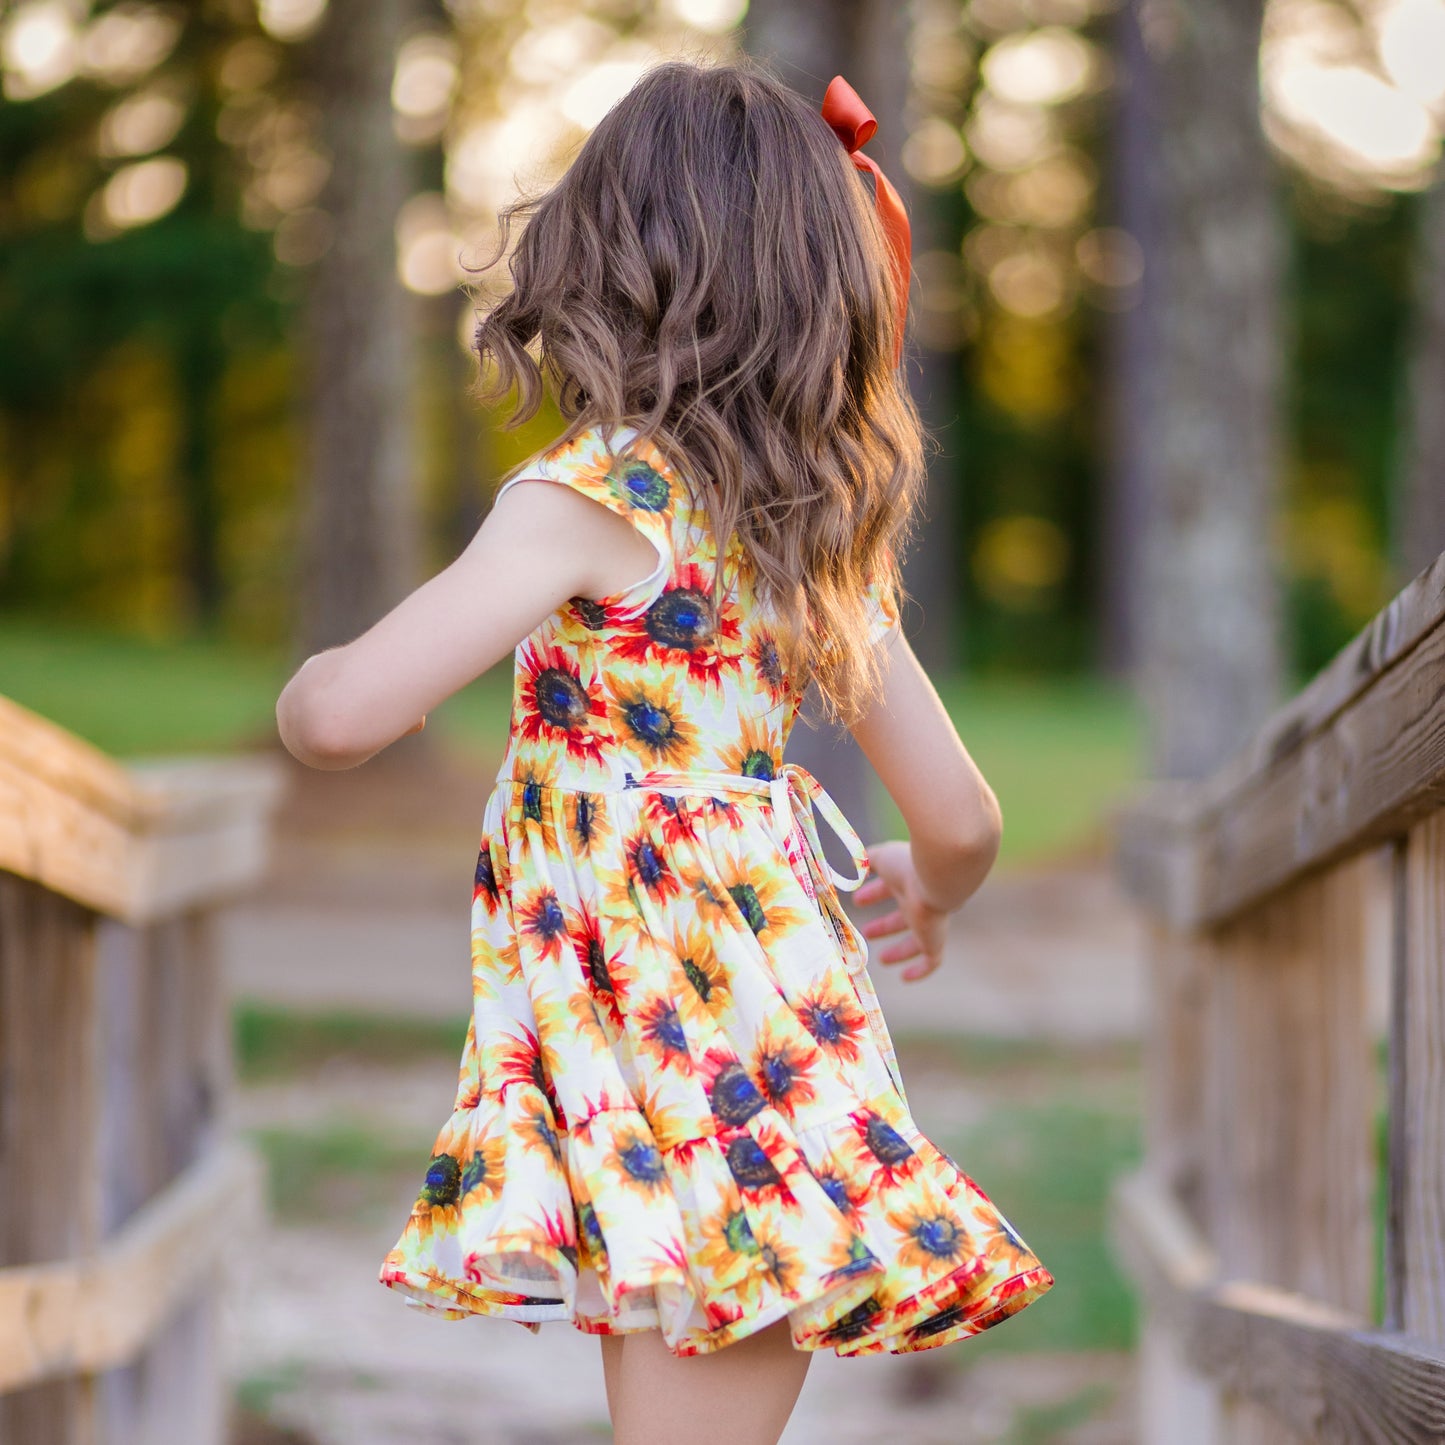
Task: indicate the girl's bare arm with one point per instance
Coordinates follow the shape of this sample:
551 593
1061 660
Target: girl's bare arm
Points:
952 815
540 545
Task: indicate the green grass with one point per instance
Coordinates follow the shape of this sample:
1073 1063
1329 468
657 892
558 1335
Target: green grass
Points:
345 1170
1041 1424
278 1043
1048 1167
1056 752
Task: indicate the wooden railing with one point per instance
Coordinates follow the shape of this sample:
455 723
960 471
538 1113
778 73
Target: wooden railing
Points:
1273 888
120 1185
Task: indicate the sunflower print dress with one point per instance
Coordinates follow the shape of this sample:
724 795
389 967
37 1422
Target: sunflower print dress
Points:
678 1106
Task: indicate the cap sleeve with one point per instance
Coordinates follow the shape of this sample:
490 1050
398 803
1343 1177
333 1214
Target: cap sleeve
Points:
626 476
882 613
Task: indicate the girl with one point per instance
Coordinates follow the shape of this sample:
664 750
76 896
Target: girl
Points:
679 1122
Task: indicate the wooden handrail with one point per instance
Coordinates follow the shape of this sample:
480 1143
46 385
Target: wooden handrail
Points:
1354 759
1325 1372
136 843
1284 888
99 1311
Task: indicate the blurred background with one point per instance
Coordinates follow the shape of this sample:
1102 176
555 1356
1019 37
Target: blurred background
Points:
1178 328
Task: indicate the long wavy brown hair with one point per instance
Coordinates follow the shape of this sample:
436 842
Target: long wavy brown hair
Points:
711 271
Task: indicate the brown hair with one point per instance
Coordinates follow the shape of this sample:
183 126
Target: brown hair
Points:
711 271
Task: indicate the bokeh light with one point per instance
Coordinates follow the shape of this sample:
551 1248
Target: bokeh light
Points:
40 48
425 77
291 19
427 246
141 123
1039 67
143 192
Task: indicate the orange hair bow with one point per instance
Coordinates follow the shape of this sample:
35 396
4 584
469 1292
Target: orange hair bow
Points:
853 123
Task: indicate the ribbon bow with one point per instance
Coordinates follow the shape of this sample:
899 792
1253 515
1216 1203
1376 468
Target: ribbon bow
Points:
853 123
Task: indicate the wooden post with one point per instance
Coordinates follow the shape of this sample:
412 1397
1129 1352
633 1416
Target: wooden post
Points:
119 1185
1415 1240
50 1205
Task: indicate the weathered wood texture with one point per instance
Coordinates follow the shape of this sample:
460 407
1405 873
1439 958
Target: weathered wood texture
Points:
1356 759
1324 1375
134 843
1282 890
1289 1093
119 1183
1415 1253
49 1199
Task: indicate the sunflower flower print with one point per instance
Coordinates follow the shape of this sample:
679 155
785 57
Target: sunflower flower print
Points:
486 888
753 755
835 1021
675 819
767 665
649 866
647 715
661 1033
557 704
636 1162
539 1131
730 1250
684 628
756 895
698 961
542 921
783 1068
677 1107
484 1170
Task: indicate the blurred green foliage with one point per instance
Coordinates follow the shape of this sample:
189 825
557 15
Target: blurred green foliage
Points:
1056 751
152 390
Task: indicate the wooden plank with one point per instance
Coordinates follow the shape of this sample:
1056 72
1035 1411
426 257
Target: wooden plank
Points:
1202 854
165 1070
136 843
1321 1370
50 1205
1289 1092
99 1311
1386 640
1415 1248
1174 1061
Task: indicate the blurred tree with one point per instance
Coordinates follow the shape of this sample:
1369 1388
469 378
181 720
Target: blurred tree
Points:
361 551
868 41
1130 351
809 42
1420 509
1210 661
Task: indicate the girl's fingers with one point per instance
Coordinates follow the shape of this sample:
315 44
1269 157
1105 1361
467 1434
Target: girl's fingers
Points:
912 975
879 927
901 952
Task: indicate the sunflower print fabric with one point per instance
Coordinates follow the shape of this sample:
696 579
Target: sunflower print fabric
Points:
678 1107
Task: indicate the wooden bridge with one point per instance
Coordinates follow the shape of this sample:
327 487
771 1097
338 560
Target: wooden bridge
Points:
121 1184
1279 1306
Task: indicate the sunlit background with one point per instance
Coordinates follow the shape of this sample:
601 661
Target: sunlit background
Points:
162 173
207 223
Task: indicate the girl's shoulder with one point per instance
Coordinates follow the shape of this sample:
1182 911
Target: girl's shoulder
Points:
630 476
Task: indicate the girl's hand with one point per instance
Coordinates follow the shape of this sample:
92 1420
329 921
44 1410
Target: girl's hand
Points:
416 727
923 927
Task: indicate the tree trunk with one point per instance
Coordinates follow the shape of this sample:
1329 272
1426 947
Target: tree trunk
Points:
1420 515
1210 645
200 362
361 548
809 42
1131 352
